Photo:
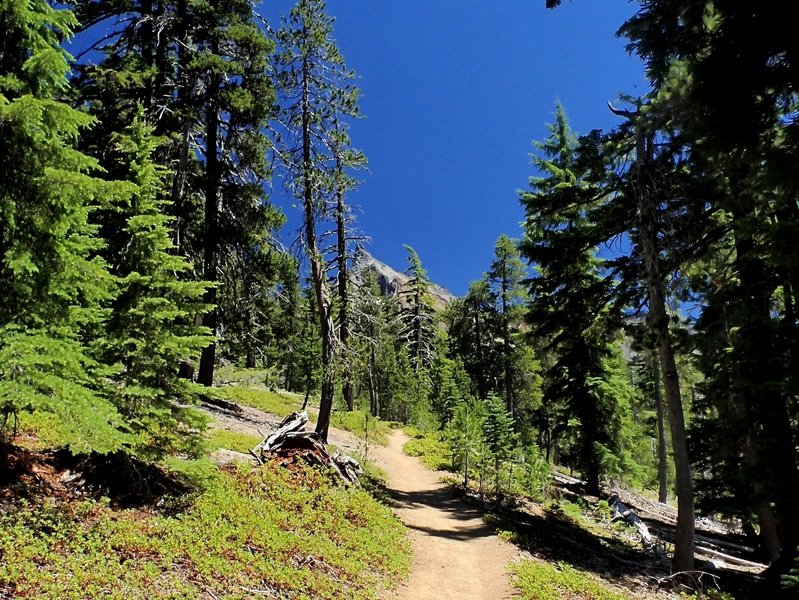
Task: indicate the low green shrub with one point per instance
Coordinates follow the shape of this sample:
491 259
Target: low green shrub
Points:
362 424
240 442
545 581
433 451
278 403
258 532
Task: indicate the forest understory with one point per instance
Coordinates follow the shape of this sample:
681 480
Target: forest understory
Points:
62 513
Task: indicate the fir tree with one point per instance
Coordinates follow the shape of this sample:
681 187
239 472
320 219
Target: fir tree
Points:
506 274
55 285
318 95
152 329
567 293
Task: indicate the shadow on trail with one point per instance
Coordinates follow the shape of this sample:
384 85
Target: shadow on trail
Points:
555 538
460 521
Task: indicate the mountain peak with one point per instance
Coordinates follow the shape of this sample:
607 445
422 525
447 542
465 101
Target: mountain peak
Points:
392 281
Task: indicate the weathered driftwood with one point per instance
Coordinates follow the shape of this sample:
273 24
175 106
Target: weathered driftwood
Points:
622 513
290 438
293 423
720 557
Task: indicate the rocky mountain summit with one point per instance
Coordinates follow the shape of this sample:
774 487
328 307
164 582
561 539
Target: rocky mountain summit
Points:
392 281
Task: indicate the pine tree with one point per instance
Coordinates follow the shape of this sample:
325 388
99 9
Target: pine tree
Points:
202 72
151 330
318 95
474 326
345 159
55 285
499 435
464 434
506 274
417 316
567 293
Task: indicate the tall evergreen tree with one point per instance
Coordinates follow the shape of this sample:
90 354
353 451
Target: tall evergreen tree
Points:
202 72
506 274
55 285
344 159
151 329
417 317
317 94
474 326
567 293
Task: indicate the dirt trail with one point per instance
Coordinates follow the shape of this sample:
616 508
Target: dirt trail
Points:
456 556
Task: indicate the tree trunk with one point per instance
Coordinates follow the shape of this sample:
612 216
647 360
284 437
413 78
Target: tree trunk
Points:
211 241
768 445
659 327
374 393
506 350
663 472
343 285
324 304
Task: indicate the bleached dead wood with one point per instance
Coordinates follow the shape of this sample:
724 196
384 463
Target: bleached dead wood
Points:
290 438
292 423
622 513
729 559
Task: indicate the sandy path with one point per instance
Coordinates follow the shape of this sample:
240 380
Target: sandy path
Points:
456 556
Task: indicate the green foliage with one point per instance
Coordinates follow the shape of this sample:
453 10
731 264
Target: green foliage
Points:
498 435
276 403
429 447
260 529
532 473
543 581
54 283
151 330
568 297
240 442
464 434
791 580
418 319
362 424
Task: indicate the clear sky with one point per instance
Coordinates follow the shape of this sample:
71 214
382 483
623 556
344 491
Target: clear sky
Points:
454 92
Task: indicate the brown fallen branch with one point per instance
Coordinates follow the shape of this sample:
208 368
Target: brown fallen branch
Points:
291 440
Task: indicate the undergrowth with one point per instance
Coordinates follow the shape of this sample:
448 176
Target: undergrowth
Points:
546 581
266 532
363 425
278 403
429 448
240 442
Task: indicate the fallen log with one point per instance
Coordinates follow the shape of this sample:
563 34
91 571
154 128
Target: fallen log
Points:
715 555
290 440
622 513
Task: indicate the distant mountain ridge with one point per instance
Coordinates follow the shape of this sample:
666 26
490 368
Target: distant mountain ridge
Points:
392 281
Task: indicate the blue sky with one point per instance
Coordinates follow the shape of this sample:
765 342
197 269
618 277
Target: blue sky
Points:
454 92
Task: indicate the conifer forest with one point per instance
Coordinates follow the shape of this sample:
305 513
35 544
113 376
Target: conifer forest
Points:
207 381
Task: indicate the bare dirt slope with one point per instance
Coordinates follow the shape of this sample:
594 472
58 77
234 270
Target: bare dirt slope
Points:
456 555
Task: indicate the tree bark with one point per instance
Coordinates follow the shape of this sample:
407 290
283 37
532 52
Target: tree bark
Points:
343 286
374 393
211 238
768 445
324 304
663 472
658 323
